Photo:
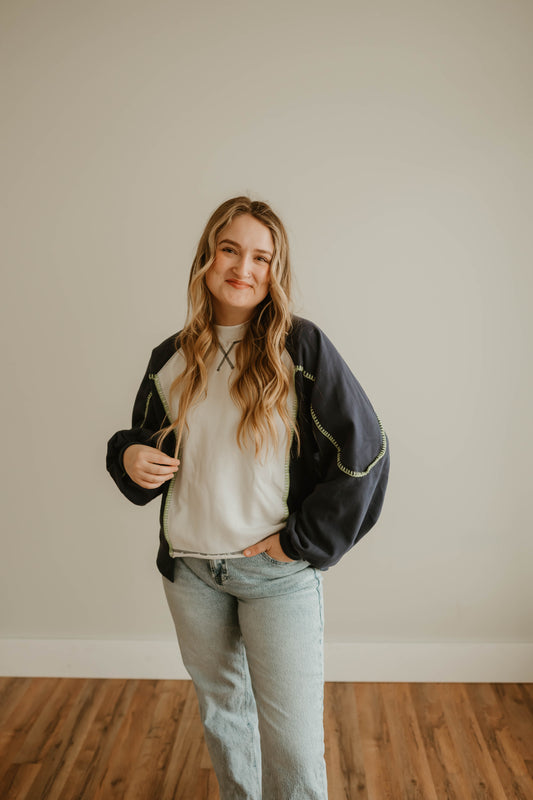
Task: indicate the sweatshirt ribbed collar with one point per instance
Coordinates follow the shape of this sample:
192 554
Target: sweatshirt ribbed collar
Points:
227 334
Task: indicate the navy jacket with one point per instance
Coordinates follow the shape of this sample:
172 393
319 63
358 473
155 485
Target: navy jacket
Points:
338 479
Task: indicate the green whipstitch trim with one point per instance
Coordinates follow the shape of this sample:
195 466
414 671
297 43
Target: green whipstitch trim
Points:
340 465
288 455
146 409
352 473
307 375
166 513
155 379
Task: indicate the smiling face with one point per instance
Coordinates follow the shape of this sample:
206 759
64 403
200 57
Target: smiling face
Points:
238 279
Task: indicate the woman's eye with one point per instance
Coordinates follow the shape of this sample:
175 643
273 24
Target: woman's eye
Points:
228 250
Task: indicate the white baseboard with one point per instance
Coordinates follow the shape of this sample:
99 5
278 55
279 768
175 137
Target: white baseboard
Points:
449 662
430 662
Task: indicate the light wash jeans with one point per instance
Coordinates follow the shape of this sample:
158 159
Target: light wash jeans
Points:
250 632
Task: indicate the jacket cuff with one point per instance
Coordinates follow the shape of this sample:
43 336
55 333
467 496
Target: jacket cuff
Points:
286 546
121 457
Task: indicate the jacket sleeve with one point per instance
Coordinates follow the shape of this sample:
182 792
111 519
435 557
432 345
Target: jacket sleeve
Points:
148 418
352 456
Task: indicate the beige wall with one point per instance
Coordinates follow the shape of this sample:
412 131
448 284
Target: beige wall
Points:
395 139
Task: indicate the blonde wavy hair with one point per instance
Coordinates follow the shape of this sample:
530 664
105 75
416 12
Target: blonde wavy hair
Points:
262 381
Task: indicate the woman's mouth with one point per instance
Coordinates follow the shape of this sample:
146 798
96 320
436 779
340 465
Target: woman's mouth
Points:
238 284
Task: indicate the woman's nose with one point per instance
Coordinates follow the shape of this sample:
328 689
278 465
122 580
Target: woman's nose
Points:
244 264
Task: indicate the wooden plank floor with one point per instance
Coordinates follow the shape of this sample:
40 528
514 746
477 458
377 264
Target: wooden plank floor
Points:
88 739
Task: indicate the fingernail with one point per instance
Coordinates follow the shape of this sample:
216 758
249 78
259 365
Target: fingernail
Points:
247 552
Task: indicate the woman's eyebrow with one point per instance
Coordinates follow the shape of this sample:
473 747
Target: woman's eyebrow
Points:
236 244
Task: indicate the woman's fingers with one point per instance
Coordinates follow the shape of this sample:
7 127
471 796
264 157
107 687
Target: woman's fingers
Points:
150 484
148 466
155 469
155 477
154 456
149 480
269 545
150 471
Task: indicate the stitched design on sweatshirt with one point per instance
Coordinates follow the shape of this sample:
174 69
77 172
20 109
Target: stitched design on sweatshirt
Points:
226 355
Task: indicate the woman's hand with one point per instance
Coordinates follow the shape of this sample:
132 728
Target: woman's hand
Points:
271 546
147 466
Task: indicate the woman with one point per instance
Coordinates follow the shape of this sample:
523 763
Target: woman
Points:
271 464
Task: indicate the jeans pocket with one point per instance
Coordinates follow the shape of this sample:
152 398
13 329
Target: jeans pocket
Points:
271 560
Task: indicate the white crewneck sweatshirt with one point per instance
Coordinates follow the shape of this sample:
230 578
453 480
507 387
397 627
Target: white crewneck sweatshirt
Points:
223 499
